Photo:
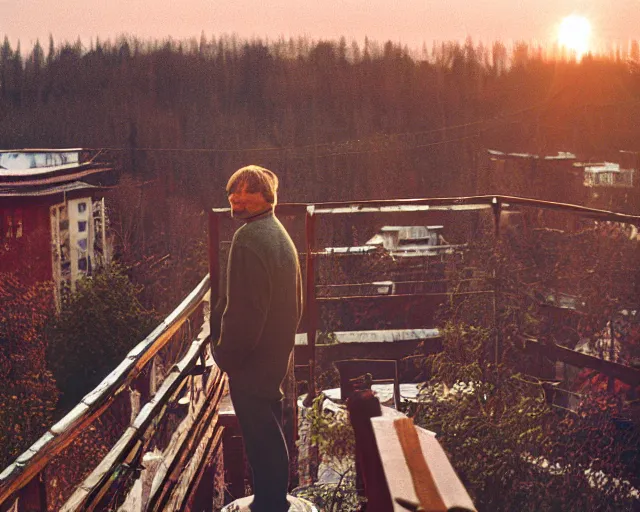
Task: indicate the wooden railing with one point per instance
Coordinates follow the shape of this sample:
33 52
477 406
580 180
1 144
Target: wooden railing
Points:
33 481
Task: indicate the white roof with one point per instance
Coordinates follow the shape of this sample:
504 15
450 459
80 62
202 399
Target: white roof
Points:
45 191
344 250
562 155
396 208
410 229
603 167
31 162
377 336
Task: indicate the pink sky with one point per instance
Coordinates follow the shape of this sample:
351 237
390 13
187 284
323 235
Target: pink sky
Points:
410 22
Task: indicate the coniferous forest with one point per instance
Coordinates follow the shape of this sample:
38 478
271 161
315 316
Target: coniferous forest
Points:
336 120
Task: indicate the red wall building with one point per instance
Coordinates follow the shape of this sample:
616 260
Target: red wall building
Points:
52 217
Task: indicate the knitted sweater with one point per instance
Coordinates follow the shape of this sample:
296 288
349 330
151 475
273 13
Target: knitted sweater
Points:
264 306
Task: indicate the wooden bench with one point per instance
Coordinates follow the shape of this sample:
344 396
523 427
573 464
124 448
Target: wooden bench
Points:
403 467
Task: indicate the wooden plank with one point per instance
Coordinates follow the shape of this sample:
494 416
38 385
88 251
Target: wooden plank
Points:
555 352
191 474
423 483
107 488
204 494
404 466
80 496
182 444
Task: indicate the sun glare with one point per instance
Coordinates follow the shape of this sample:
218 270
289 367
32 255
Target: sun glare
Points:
574 34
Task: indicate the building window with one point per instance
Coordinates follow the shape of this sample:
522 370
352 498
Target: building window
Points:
11 223
78 237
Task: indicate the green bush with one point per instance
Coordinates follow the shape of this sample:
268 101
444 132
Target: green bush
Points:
487 399
331 433
96 328
512 450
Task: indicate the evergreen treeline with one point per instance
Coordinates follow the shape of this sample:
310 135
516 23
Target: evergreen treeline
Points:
336 120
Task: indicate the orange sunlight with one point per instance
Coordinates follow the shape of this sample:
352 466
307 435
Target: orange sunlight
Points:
574 35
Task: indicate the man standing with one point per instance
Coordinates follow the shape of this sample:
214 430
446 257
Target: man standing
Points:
258 328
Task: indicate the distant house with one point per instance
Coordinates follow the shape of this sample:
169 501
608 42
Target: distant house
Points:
607 174
416 263
52 215
408 238
403 241
550 177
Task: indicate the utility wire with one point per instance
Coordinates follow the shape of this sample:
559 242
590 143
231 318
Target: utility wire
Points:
499 117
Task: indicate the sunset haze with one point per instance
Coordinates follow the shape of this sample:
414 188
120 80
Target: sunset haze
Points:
413 23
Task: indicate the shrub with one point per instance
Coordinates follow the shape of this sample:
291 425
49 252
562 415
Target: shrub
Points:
28 394
96 327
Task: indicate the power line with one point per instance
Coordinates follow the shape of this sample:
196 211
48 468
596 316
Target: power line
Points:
371 139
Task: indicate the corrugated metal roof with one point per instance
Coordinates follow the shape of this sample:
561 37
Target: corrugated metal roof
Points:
603 167
411 229
45 191
562 155
80 172
41 150
351 250
35 171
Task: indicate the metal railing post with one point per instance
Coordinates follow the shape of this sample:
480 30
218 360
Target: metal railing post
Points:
311 305
214 267
496 206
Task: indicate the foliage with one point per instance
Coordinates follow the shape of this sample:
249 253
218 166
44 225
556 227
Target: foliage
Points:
488 400
28 394
331 432
96 328
327 338
513 452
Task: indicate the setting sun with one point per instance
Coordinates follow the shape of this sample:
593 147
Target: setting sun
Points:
574 34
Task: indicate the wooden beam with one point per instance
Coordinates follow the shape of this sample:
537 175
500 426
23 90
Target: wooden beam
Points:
555 352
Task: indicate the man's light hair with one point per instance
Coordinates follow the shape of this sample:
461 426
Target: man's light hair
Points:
256 179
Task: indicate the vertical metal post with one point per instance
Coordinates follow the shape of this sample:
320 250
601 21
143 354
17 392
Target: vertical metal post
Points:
396 385
214 266
312 312
496 206
611 381
106 257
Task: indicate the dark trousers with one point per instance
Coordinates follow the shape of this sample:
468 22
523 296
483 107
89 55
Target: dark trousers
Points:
266 449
